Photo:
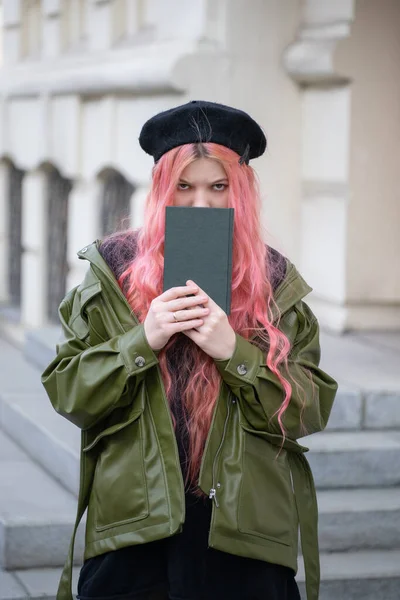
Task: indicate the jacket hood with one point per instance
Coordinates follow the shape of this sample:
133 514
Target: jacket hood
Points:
292 289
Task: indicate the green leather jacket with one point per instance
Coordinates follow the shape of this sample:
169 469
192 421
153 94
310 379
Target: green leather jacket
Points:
106 379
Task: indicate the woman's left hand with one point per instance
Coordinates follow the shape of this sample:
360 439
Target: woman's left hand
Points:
216 336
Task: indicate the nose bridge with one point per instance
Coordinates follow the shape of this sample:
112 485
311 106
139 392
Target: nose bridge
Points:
200 196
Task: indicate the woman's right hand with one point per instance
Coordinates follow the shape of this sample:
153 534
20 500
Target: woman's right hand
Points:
160 325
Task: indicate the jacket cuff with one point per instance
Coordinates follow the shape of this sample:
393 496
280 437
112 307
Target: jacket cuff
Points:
137 354
242 368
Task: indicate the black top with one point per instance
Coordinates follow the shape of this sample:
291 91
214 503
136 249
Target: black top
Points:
182 567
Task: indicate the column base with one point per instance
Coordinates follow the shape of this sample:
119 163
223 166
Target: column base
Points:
355 317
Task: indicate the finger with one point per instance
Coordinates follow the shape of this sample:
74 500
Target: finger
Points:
187 316
185 303
184 326
177 292
200 292
193 334
212 305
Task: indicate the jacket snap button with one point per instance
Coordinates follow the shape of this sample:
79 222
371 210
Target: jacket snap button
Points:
242 369
139 361
84 250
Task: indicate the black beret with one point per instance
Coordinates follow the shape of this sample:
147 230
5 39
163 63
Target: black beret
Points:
200 121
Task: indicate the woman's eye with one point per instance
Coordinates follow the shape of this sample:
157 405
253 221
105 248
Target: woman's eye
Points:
183 186
220 187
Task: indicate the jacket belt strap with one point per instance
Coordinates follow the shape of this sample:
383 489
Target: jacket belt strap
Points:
307 510
65 586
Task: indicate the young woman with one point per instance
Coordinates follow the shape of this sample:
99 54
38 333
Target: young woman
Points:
193 479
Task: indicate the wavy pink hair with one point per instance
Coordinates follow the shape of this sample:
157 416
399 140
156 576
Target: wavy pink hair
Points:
251 298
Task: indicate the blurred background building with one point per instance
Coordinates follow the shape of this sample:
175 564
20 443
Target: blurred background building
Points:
80 77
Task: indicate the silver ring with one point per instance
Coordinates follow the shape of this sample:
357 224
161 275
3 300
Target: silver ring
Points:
175 317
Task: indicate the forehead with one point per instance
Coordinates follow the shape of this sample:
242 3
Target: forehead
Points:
204 169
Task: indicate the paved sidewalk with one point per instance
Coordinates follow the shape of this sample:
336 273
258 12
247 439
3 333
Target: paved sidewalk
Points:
363 360
32 584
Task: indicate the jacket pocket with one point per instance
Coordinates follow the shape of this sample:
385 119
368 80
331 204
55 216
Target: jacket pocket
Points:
119 494
98 332
91 314
266 499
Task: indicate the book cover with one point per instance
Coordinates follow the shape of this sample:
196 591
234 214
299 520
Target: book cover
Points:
198 246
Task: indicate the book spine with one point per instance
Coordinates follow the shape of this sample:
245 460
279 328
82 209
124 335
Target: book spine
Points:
229 265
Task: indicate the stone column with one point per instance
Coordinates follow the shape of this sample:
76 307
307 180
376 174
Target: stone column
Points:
371 58
325 197
54 37
34 242
102 17
138 200
326 96
4 233
12 38
83 225
345 59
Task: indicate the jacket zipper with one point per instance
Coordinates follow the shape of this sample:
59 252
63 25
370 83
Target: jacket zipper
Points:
213 491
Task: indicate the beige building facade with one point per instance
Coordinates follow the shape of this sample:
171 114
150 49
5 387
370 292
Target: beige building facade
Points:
80 77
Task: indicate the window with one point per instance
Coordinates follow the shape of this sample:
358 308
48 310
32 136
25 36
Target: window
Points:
15 234
1 33
74 22
31 29
129 17
58 190
117 192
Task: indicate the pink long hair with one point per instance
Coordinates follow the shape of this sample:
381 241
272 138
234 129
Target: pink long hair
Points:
252 301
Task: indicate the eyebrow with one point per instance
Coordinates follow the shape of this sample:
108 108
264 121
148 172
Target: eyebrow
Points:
225 179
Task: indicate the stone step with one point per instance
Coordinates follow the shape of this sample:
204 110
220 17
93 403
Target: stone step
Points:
354 459
338 459
357 409
53 442
27 416
355 406
349 576
36 513
40 345
35 584
363 360
359 519
357 576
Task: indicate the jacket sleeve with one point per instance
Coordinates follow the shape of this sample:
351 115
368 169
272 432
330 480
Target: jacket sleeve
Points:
86 383
260 392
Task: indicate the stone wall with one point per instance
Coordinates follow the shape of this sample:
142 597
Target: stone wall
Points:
80 77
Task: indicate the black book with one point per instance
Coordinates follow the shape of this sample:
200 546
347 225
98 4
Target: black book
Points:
198 246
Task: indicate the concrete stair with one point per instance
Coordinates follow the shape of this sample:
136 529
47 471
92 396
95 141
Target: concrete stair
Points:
356 466
36 513
53 442
354 459
38 481
36 584
359 519
357 576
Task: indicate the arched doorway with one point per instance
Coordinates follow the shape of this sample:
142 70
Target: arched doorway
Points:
116 197
15 179
58 189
